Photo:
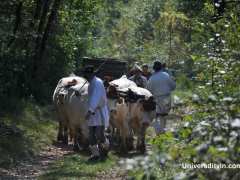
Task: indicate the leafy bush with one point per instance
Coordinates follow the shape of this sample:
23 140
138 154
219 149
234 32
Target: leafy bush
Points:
210 134
183 82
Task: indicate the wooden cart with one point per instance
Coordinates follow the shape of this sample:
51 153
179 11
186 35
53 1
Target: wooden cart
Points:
112 68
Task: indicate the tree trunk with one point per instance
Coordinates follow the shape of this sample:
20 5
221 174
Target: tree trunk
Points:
17 22
42 22
51 19
38 66
38 9
170 43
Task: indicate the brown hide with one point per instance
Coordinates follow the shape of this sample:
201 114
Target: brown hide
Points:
138 124
119 120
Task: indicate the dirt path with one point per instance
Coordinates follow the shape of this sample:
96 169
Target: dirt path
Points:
37 166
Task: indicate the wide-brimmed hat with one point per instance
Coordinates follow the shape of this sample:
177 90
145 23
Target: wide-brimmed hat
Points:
136 68
88 69
145 65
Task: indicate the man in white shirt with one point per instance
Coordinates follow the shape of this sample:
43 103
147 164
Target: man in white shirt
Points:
160 84
97 115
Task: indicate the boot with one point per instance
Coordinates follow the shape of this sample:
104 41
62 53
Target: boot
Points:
95 153
104 148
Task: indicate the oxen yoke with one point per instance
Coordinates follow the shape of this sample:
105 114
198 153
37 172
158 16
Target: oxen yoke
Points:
143 96
132 109
131 93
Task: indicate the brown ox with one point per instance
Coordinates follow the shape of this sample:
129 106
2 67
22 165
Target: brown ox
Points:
132 116
119 113
141 113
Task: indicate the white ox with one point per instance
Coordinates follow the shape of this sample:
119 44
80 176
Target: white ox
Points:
70 99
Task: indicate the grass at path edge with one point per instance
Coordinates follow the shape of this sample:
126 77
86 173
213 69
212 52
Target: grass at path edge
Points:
75 166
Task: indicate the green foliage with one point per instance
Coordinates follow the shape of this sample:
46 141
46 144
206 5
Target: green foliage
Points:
30 131
188 35
210 134
42 42
183 82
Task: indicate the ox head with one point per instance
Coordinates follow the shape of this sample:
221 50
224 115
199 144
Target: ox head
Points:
61 95
147 110
112 91
114 97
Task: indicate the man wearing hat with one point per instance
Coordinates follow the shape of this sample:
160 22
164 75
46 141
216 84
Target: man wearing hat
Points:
97 115
145 71
161 85
138 78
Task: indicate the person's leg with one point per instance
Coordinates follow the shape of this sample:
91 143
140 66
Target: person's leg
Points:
162 122
165 109
100 134
102 141
161 112
93 143
92 137
156 124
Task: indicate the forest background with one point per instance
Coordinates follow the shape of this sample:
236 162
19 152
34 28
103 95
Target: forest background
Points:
41 41
44 40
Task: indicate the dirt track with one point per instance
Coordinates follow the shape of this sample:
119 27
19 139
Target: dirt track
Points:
38 166
32 169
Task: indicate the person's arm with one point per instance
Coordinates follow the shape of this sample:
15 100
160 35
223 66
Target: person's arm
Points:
131 78
172 84
149 85
144 82
95 97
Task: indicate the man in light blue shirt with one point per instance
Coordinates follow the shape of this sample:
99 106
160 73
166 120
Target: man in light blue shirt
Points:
160 84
